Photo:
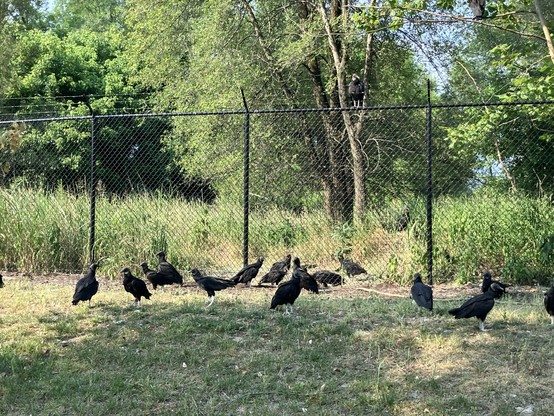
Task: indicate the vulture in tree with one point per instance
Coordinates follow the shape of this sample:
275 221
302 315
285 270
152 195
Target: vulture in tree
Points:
422 294
167 270
356 89
277 272
478 306
549 303
154 277
488 281
306 280
287 293
135 286
86 286
249 272
210 284
327 277
350 267
478 8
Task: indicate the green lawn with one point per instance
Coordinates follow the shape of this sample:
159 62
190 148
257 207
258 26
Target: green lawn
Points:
336 355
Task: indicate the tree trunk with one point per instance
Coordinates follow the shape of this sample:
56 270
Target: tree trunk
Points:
337 37
545 30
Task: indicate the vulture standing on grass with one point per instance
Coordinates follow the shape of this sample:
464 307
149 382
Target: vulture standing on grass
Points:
210 284
135 286
327 277
488 281
306 280
549 303
167 270
350 267
422 294
157 279
478 306
478 8
277 272
1 281
356 89
86 286
249 272
287 293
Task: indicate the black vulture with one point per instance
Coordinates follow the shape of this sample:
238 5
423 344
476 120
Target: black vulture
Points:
86 286
306 280
210 284
327 277
403 220
167 270
350 267
549 303
488 281
1 281
286 293
157 279
356 89
249 272
421 293
478 8
135 286
277 271
478 306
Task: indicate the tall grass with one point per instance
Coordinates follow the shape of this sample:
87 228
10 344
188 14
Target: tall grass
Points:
45 232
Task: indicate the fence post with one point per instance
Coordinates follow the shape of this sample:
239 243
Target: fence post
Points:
246 180
429 189
92 225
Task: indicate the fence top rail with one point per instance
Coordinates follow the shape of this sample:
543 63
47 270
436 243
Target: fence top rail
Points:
274 111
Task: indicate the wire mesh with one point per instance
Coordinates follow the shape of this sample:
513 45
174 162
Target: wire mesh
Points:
323 185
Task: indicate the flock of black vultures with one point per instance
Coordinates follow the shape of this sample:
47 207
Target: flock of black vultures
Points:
287 292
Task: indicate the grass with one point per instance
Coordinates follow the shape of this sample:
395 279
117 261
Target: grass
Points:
49 231
336 355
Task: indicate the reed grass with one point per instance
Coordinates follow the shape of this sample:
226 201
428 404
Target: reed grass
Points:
49 231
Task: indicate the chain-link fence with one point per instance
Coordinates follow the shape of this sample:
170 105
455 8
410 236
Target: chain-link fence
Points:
448 189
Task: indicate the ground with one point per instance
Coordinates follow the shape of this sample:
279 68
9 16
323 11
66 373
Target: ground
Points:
351 290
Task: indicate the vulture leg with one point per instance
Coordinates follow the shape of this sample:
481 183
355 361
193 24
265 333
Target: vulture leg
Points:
212 298
482 325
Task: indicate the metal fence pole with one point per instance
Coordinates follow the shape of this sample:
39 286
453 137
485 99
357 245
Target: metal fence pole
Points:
92 237
429 188
246 179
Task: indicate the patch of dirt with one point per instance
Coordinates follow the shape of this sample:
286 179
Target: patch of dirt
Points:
350 290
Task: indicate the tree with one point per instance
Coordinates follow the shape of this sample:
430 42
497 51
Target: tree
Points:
299 56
